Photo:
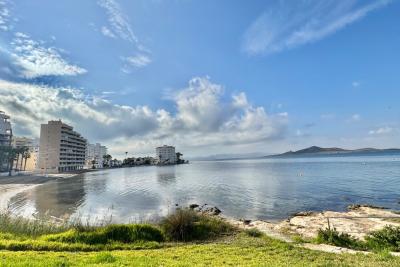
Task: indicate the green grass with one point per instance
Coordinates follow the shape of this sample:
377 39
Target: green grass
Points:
123 233
240 250
386 239
188 225
213 243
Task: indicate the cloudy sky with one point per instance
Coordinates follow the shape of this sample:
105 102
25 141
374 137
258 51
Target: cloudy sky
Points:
209 77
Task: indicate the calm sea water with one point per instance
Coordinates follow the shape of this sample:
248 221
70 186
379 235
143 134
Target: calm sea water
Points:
254 189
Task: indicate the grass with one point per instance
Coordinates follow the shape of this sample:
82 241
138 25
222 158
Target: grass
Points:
386 239
123 233
30 228
333 237
188 225
213 242
240 250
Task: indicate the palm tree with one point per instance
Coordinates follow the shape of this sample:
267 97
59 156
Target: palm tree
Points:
23 151
27 155
12 153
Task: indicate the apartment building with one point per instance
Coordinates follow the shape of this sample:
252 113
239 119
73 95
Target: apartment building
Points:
166 155
61 149
5 129
95 152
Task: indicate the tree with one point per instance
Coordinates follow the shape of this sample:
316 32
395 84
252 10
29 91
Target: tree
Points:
23 151
11 154
107 158
93 163
27 155
178 157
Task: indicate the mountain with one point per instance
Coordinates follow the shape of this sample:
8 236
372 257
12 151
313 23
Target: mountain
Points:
319 151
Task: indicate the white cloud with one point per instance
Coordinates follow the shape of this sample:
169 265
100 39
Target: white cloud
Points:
204 117
35 60
138 61
4 15
119 27
381 131
118 20
289 24
355 118
107 32
355 84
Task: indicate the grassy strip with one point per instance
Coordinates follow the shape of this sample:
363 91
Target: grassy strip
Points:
241 250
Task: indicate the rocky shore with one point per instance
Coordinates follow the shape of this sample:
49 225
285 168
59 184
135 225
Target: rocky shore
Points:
357 221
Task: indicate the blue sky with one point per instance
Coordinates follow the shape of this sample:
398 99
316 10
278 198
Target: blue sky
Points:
208 76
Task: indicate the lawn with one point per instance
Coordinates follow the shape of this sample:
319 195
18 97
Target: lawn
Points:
184 238
238 250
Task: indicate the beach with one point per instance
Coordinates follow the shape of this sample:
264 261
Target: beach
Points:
13 185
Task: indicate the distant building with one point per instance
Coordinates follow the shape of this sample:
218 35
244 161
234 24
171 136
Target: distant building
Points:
5 139
61 148
95 152
166 155
5 129
31 163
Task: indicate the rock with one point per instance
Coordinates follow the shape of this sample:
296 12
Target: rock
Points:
215 211
193 206
304 213
246 222
357 206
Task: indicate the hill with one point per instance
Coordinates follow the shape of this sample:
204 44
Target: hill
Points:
319 151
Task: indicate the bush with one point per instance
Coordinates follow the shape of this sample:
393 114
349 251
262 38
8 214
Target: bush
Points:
333 237
253 232
387 238
124 233
187 225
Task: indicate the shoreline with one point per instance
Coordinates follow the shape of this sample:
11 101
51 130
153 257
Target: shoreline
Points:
10 186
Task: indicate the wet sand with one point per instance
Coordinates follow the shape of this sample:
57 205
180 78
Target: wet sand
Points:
13 185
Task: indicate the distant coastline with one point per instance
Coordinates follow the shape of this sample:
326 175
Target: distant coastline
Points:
315 151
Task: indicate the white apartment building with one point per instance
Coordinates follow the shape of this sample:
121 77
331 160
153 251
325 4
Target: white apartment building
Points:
95 152
61 148
5 129
166 155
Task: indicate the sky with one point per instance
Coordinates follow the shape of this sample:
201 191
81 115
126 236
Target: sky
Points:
210 77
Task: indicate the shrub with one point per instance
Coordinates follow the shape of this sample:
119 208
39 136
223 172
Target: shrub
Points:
124 233
333 237
187 225
253 232
386 238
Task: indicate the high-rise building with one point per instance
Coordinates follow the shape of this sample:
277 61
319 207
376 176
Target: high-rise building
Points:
61 148
5 129
166 154
95 153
